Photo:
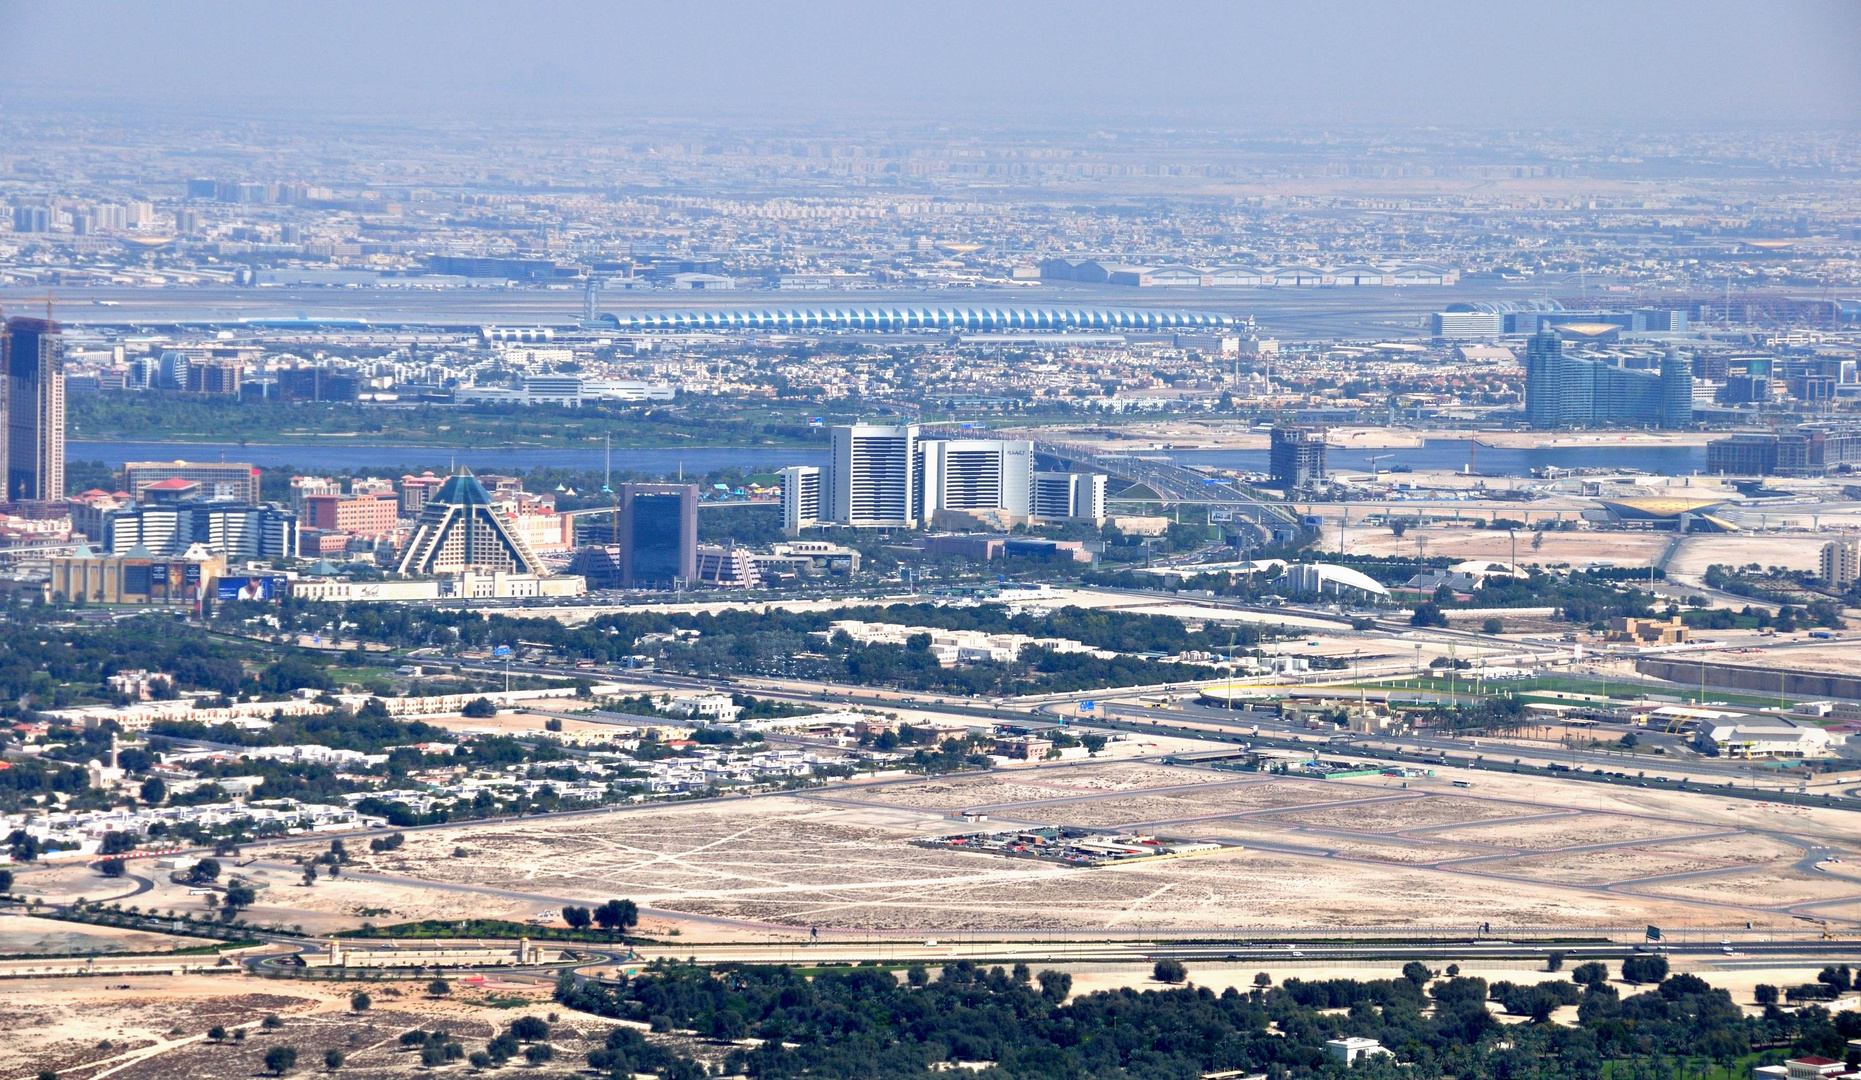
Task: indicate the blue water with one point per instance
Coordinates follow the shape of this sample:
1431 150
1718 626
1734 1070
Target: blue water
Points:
1452 454
339 455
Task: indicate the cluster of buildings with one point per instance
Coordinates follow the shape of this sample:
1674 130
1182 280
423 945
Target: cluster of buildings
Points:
1073 847
185 531
889 476
954 647
1812 449
81 832
1144 275
1565 391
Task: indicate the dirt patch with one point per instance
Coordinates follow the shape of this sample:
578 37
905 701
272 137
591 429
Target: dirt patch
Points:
1608 865
1568 830
1258 795
1758 888
1427 811
22 935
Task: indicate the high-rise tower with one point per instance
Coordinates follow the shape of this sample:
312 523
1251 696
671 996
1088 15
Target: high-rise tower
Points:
34 357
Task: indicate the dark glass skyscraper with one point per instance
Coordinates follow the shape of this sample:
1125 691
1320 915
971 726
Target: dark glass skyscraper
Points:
1564 391
34 357
658 535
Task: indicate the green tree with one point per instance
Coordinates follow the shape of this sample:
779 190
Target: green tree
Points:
360 1001
154 791
239 895
438 988
617 915
332 1059
280 1060
1427 614
1169 971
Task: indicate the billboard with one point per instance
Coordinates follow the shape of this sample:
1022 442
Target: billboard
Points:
250 588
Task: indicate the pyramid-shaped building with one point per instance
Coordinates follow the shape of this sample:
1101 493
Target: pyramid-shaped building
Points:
461 529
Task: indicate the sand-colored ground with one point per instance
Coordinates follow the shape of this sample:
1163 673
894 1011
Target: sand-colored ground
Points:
1567 831
1773 886
1411 813
1312 853
154 1027
1577 548
23 935
1793 551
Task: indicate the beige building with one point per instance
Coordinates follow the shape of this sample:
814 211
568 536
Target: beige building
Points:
135 577
1649 631
1841 562
231 481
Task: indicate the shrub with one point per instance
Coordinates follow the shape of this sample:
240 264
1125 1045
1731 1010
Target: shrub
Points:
1644 969
1169 971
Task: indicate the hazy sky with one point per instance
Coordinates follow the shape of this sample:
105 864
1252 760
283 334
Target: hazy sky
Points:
1716 63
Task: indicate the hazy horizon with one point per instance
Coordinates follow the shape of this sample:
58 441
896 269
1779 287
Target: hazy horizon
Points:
1566 65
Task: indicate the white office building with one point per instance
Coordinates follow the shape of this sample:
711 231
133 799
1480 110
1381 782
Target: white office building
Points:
228 529
801 498
975 475
1069 495
871 481
1463 325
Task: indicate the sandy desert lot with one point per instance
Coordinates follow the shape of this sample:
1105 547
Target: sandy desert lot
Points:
1297 853
154 1028
22 935
1576 548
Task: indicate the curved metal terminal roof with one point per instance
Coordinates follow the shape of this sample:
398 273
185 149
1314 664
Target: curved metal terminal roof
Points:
885 317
